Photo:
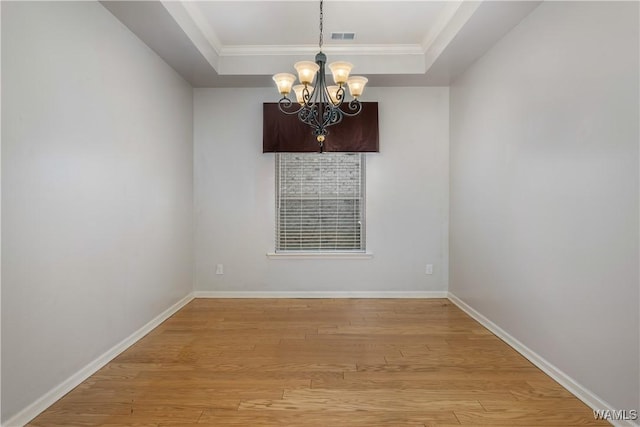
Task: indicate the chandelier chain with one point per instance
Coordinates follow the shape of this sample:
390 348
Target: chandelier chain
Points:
320 43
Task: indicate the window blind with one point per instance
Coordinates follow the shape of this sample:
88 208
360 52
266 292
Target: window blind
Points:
320 202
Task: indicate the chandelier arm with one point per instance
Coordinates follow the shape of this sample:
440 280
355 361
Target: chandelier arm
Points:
340 96
306 95
355 107
322 93
308 115
332 116
284 103
309 99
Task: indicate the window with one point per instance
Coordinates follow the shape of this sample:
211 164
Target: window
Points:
320 202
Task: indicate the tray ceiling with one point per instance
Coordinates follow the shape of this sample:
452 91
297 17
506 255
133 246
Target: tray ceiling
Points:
242 43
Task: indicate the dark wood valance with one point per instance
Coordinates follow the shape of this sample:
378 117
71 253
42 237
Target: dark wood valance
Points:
282 133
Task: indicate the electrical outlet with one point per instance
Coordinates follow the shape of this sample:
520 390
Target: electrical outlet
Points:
219 269
429 269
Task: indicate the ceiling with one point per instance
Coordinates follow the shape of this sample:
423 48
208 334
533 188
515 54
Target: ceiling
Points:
239 43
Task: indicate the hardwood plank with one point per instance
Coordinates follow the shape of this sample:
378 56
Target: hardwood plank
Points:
542 393
540 417
443 374
458 359
323 418
418 397
418 382
563 405
358 404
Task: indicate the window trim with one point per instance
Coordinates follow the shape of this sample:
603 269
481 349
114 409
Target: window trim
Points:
319 255
362 253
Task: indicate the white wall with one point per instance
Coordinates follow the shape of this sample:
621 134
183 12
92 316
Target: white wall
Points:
407 198
96 191
544 191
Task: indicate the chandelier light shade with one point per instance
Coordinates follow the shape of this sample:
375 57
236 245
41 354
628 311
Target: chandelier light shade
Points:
356 85
306 71
284 81
320 106
340 71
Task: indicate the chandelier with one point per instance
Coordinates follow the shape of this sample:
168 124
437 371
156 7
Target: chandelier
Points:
319 106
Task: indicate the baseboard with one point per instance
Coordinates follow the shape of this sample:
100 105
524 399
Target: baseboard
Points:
581 392
321 294
34 409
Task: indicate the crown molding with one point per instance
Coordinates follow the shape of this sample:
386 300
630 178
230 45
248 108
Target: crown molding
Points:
368 64
294 50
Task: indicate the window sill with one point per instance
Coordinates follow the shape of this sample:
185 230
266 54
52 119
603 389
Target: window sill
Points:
320 255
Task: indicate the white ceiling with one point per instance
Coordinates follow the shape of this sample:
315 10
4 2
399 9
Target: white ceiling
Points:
238 43
274 23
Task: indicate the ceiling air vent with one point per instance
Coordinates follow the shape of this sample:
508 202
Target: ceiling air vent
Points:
343 36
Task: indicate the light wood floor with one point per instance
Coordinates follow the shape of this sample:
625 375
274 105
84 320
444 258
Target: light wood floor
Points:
308 362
